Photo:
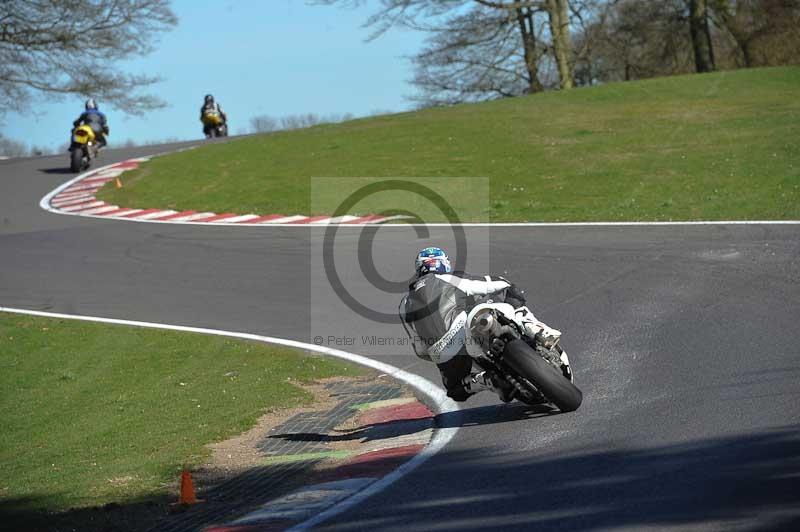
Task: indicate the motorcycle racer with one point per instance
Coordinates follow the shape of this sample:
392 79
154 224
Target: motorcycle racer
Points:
210 105
435 311
94 119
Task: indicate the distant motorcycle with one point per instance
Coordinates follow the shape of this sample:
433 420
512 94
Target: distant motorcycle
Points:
83 149
537 367
213 124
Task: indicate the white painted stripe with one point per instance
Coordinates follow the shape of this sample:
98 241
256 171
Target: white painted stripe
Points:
79 187
84 206
441 402
284 220
152 215
72 201
65 195
191 217
242 218
110 173
100 210
336 220
124 213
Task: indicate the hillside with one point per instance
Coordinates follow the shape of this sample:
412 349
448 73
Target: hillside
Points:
702 147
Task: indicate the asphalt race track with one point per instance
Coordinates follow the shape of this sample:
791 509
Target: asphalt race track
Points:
684 339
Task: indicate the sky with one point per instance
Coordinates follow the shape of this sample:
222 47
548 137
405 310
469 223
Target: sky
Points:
273 57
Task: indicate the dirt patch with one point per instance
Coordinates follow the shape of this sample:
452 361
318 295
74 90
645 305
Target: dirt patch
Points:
238 454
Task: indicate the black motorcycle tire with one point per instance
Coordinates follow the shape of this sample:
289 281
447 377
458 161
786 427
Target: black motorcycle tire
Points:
76 159
212 133
523 359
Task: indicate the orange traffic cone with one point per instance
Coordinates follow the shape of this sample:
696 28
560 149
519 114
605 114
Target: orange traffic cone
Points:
187 489
118 182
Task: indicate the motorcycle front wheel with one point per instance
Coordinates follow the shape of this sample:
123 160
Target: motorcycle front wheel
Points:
76 159
551 382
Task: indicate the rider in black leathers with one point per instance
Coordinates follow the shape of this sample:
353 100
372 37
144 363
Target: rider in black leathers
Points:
210 104
434 312
94 119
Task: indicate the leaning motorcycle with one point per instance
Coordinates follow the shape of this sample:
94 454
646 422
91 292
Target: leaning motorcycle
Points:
214 125
83 149
515 346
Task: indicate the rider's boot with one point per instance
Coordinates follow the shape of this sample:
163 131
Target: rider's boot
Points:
548 336
486 380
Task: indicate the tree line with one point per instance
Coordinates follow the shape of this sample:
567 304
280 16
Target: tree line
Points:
482 49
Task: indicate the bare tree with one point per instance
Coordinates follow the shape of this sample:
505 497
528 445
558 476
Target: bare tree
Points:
482 49
634 39
765 31
478 55
268 124
60 47
701 36
11 148
263 124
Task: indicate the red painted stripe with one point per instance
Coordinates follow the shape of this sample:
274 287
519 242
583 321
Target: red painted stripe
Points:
80 188
374 464
386 414
141 213
311 219
266 218
116 212
102 204
72 196
219 217
89 180
73 203
365 219
127 165
176 215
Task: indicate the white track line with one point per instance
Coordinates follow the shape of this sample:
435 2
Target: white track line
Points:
442 403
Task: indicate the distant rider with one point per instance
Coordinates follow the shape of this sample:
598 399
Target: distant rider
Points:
434 313
94 119
210 105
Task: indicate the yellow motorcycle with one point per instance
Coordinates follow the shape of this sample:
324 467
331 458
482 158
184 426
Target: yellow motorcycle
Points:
213 124
83 149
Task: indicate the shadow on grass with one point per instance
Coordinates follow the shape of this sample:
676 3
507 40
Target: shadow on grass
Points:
224 500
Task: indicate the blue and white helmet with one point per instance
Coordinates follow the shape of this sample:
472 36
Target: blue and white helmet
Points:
432 260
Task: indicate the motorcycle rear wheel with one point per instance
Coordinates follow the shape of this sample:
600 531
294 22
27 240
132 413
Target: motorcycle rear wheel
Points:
548 380
76 160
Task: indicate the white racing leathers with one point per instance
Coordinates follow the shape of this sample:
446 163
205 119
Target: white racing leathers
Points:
434 312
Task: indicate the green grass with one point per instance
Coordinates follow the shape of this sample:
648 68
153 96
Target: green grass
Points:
711 147
92 413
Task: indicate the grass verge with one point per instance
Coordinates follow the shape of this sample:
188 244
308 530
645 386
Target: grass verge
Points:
702 147
94 414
